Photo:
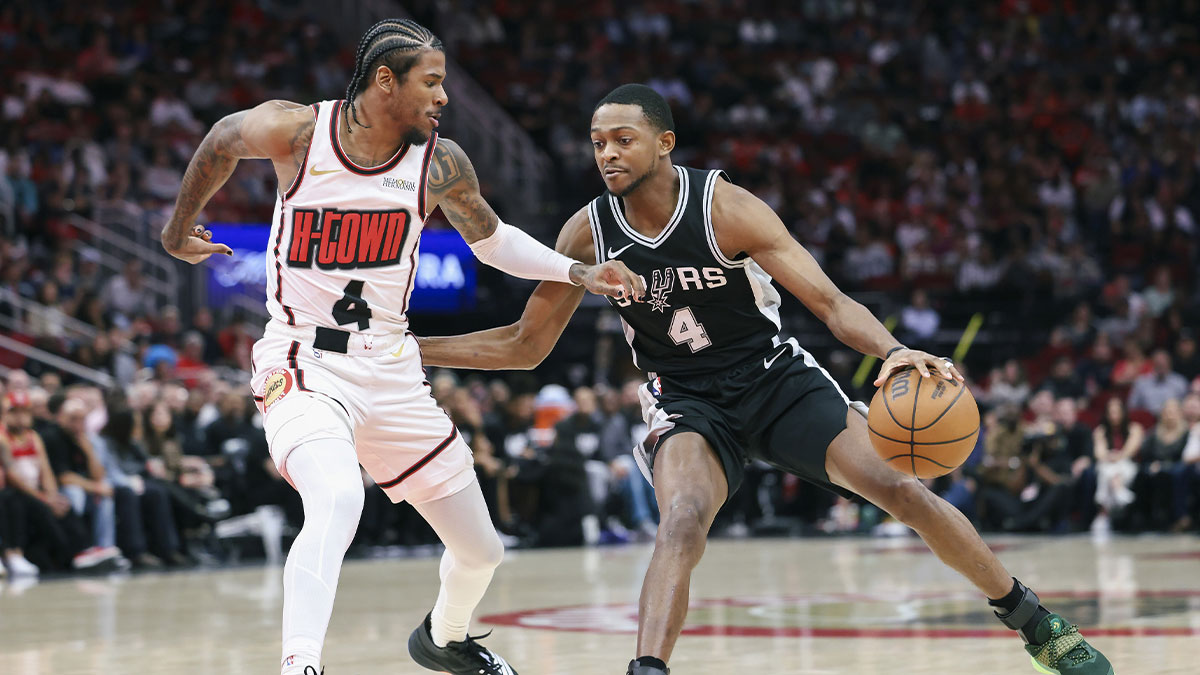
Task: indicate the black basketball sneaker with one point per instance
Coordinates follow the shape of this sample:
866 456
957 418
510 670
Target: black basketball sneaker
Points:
457 658
636 668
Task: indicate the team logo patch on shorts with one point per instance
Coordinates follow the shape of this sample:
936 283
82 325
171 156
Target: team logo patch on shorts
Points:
276 386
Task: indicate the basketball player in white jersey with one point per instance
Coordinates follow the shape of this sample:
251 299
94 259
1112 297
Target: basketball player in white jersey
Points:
337 376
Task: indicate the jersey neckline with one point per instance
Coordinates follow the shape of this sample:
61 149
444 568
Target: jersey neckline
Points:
346 161
680 206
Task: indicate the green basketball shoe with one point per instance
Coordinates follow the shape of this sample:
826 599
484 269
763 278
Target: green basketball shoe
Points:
1059 649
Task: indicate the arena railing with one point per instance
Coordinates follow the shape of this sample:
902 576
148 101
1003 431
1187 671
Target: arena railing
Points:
75 327
56 362
117 241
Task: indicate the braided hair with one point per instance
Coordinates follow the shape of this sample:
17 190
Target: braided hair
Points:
395 43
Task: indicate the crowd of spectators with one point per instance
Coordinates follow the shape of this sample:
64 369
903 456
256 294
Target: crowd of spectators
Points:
1034 162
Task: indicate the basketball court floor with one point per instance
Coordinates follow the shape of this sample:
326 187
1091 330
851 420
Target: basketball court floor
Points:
825 606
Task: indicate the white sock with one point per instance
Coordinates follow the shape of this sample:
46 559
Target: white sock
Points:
473 551
300 653
327 476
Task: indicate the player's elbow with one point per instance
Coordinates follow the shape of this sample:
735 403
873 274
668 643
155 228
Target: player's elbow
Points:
530 351
170 241
529 357
834 307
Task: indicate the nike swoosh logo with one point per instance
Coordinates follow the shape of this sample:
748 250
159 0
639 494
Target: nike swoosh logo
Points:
613 254
768 362
313 171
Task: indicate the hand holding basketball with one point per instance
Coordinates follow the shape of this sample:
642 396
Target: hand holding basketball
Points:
922 361
923 425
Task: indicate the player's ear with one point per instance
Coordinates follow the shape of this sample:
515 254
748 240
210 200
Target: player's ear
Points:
385 78
666 142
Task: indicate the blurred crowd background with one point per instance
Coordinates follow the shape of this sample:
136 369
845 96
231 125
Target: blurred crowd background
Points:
1029 164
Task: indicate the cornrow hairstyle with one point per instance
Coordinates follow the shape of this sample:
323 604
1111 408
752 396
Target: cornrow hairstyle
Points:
395 43
653 105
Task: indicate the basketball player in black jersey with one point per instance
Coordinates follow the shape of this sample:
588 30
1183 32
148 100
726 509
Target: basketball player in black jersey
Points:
725 387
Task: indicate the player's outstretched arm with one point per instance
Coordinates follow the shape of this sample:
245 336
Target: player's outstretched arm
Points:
275 130
452 184
524 344
744 222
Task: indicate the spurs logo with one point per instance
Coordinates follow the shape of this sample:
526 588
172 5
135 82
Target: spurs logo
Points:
668 279
662 284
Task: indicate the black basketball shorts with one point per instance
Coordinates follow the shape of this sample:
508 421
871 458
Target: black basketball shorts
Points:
783 409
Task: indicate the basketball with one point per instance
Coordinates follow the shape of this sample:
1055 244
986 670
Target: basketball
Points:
923 426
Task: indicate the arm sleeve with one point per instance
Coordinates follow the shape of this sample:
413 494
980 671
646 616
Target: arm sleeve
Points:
514 252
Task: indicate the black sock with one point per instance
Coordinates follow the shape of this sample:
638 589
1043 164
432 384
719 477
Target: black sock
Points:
652 662
1009 603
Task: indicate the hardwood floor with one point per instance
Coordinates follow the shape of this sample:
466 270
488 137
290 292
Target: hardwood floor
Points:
853 606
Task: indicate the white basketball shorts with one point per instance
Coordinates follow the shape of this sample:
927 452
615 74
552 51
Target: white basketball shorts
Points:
379 403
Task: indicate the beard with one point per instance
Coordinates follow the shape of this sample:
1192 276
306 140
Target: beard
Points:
415 136
637 182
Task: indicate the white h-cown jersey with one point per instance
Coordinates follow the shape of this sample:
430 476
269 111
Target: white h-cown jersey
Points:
346 236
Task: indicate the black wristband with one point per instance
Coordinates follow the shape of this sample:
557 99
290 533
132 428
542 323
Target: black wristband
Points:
893 350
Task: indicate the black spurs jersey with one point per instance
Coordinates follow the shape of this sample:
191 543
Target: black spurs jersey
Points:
702 311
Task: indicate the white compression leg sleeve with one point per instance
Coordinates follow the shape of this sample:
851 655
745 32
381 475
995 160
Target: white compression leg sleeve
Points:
327 476
473 551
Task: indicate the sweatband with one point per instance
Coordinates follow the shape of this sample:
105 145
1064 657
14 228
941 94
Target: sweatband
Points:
514 252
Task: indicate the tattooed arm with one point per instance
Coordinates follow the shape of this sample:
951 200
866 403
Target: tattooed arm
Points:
452 184
275 130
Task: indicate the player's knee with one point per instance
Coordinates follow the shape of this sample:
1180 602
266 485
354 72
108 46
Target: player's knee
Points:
347 506
684 525
350 498
483 554
905 498
491 552
334 501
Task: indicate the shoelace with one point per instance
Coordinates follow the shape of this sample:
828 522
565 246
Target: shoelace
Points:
1060 645
470 647
470 641
314 670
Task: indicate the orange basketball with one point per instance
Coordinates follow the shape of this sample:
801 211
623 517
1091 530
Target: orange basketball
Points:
924 426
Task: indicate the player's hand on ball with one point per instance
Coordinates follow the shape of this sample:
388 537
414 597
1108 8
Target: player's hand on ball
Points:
614 279
922 361
199 246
